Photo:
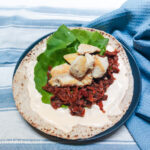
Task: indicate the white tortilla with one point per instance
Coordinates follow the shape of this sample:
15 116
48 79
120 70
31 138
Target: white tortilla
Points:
22 98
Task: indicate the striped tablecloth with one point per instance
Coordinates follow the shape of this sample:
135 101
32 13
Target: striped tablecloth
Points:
21 23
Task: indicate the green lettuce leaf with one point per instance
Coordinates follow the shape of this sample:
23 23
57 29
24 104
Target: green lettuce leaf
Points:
64 106
63 41
92 38
57 47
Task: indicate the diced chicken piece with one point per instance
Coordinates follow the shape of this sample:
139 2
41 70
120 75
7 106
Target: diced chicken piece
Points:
89 61
81 65
78 67
69 80
86 48
66 79
70 57
100 66
61 69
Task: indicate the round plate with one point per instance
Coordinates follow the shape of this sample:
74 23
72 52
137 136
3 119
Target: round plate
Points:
134 102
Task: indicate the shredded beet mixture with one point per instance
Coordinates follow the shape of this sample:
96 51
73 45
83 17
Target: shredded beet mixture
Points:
77 98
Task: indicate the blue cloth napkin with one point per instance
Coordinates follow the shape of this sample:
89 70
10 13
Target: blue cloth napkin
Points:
130 24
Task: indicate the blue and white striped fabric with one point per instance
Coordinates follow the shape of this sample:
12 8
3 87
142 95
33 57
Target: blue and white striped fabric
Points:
20 26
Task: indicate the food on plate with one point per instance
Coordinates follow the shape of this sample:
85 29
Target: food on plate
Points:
81 65
100 66
60 76
66 85
89 61
86 48
78 96
70 57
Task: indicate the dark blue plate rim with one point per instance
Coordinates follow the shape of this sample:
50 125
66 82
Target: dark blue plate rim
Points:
129 112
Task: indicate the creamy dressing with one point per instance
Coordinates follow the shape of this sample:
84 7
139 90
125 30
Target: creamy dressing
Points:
62 119
116 91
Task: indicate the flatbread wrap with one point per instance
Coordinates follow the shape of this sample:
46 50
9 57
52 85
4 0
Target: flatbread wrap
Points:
74 84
